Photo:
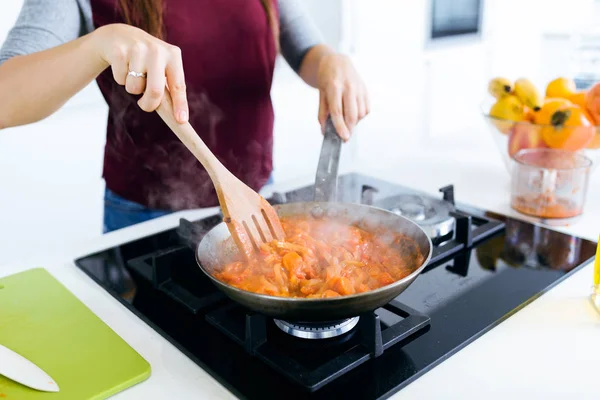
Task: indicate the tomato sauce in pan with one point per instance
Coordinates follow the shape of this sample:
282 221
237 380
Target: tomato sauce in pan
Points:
323 258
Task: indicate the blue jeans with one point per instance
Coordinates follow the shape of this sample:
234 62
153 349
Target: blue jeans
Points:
121 213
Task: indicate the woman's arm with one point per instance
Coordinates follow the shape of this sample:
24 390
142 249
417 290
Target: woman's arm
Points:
40 83
343 95
41 25
43 63
298 36
309 69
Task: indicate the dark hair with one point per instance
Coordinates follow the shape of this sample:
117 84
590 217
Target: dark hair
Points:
148 16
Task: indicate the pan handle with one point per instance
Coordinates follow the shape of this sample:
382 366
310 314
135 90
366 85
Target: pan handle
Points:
327 169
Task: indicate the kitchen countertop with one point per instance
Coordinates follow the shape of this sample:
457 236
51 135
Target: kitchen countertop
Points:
549 349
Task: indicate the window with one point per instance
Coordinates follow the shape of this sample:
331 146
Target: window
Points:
450 18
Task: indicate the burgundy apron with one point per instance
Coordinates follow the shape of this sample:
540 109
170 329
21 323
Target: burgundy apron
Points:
228 57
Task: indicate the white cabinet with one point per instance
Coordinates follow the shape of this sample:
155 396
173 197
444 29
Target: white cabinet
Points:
454 87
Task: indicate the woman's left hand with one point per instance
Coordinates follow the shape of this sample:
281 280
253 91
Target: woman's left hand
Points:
343 94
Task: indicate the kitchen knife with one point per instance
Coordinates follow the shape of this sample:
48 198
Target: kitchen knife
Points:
23 371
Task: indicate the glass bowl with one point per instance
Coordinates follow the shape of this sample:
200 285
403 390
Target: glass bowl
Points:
511 137
550 184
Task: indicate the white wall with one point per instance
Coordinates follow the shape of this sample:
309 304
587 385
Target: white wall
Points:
50 172
8 16
425 98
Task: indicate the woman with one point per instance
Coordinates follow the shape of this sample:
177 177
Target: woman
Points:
217 60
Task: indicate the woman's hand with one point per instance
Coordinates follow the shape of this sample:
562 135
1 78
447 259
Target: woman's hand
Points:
128 49
343 94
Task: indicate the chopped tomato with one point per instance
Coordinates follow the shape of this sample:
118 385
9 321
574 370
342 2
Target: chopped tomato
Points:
343 286
291 260
311 286
385 279
324 258
330 293
362 288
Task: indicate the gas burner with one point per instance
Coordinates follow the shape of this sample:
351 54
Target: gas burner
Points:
316 330
411 210
433 215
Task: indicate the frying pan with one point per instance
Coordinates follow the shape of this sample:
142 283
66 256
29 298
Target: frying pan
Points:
217 248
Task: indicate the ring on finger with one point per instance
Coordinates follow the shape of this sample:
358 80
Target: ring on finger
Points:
136 74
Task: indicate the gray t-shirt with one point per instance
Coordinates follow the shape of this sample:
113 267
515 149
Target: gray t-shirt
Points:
43 24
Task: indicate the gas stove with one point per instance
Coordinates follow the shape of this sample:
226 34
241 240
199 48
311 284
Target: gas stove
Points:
483 268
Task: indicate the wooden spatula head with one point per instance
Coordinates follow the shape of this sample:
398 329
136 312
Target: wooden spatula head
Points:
250 218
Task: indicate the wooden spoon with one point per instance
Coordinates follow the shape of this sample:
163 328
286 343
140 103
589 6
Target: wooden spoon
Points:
250 218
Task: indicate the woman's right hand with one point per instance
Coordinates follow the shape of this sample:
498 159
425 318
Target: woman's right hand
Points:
126 48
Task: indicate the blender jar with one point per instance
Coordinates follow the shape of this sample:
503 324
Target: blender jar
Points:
550 184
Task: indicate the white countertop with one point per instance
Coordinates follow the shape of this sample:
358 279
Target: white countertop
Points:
550 349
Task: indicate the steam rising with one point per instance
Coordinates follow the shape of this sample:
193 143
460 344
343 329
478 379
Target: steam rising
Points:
182 179
148 164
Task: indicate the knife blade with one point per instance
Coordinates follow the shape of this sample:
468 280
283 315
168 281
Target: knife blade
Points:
23 371
327 168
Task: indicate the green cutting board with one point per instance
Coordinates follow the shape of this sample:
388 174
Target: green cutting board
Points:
45 323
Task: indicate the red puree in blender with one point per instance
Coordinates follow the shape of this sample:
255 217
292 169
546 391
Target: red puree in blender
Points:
546 206
566 166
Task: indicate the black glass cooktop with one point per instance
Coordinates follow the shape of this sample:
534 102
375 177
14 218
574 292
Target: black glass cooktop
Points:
481 273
